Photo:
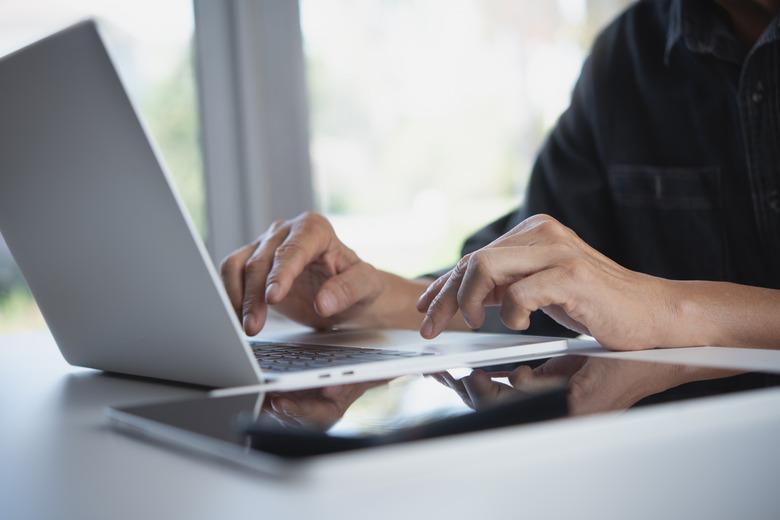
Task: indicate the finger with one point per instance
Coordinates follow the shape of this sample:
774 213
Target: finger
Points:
496 373
232 272
563 366
441 378
287 407
425 299
483 390
494 267
520 376
443 306
530 294
346 289
253 306
309 238
456 385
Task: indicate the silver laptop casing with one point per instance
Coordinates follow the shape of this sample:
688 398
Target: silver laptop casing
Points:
122 279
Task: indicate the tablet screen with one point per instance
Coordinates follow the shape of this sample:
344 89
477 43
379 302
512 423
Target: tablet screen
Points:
490 396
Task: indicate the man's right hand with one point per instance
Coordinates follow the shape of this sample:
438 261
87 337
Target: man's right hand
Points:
303 269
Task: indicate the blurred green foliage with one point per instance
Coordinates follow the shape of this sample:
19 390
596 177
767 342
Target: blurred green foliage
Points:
171 113
18 310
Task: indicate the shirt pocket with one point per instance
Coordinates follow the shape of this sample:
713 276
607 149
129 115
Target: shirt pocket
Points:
670 219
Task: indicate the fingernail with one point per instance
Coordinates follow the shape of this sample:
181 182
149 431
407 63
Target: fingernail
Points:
326 303
427 327
270 291
249 324
468 321
291 409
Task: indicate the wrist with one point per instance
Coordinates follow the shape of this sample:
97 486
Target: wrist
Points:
688 323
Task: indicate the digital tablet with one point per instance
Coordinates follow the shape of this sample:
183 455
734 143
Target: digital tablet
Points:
274 431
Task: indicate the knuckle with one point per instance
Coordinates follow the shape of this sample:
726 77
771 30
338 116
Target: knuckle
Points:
437 285
348 251
273 274
544 218
311 218
514 319
275 227
463 263
480 263
228 265
561 249
439 289
286 250
250 300
517 295
277 235
537 219
436 305
552 227
371 271
273 277
252 266
433 306
537 222
575 269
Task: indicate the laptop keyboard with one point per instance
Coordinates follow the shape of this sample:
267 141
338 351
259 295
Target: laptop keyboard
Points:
290 357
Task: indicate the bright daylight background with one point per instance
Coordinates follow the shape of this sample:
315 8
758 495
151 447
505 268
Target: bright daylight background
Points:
425 114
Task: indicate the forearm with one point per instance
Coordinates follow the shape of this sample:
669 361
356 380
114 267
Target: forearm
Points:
725 314
396 305
659 377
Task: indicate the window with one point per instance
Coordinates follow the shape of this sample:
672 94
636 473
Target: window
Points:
150 43
426 115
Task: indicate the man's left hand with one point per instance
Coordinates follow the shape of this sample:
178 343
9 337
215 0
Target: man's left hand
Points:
542 264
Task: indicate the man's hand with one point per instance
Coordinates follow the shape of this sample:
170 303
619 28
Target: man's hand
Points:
541 264
318 408
595 384
301 267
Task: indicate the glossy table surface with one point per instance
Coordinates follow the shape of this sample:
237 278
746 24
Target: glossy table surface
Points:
715 457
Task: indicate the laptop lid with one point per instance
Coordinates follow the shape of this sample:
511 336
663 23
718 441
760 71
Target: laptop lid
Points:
122 279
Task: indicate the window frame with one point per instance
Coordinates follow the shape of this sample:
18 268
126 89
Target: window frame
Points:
254 117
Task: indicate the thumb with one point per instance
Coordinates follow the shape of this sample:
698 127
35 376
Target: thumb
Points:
340 292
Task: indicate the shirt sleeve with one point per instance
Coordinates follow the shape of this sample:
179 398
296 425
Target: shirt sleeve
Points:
567 182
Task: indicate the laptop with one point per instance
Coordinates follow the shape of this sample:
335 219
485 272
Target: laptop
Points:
113 260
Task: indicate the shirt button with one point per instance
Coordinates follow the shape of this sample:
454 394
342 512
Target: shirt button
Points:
773 201
758 94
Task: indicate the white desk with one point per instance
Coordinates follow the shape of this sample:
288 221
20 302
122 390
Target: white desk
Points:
717 458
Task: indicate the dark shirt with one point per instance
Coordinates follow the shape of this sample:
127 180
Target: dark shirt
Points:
668 158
